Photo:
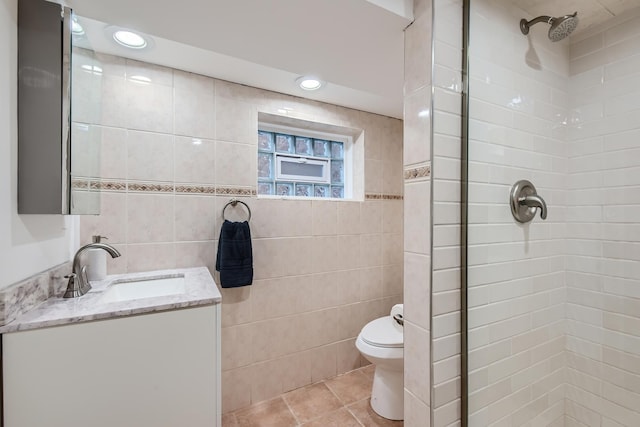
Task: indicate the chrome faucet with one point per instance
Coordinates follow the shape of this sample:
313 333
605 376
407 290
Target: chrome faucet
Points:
78 283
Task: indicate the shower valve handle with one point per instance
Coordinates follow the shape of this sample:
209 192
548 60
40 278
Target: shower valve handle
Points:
524 200
535 202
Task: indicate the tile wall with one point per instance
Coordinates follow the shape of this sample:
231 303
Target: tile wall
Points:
552 304
518 108
447 127
417 229
603 249
432 213
175 149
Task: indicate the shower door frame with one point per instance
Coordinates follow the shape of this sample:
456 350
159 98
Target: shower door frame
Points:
464 212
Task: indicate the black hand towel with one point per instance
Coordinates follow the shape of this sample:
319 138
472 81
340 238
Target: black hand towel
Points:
235 258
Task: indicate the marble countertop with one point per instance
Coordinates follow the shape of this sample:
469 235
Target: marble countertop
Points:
200 289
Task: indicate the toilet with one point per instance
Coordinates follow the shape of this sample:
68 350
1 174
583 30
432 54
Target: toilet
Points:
381 341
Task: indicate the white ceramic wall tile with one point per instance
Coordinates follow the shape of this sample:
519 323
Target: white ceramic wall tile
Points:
149 106
194 107
417 127
150 156
150 218
195 160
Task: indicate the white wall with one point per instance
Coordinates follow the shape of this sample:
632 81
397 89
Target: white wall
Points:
603 253
28 243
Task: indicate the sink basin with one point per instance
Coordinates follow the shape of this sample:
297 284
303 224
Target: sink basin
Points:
146 287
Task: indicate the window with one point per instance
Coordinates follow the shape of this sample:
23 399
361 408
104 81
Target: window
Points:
298 163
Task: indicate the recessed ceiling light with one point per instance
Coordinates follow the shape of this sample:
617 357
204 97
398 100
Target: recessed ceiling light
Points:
309 83
130 39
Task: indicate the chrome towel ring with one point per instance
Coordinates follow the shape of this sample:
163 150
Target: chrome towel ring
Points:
233 203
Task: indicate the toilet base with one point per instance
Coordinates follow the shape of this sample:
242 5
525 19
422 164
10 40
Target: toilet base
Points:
387 394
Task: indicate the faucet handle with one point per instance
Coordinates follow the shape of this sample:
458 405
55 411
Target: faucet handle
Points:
72 290
524 201
98 238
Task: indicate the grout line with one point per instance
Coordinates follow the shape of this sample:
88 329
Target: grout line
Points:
298 423
344 405
333 392
353 414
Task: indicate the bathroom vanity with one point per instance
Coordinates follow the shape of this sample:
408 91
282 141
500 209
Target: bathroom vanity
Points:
131 352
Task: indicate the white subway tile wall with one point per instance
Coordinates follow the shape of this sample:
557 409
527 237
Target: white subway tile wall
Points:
603 224
447 127
177 149
553 318
516 295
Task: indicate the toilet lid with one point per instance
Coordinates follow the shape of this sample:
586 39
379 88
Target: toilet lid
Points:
383 332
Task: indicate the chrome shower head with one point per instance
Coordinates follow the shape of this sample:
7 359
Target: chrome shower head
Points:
560 27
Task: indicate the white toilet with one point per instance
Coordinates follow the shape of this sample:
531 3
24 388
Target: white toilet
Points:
381 341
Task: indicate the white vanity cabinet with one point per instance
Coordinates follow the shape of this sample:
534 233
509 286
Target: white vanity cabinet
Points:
160 369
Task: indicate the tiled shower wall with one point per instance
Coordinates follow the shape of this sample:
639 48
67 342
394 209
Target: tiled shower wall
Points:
603 222
518 108
447 127
176 147
553 304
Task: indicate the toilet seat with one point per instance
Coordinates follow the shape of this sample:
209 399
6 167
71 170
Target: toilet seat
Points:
383 332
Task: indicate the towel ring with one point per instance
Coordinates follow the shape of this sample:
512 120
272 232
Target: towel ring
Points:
234 202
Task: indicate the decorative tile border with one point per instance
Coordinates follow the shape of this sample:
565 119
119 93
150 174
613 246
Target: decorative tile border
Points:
210 190
163 187
195 189
108 185
25 295
150 188
417 173
236 191
383 197
79 184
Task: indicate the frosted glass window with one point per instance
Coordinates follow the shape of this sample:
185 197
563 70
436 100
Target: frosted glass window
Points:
302 169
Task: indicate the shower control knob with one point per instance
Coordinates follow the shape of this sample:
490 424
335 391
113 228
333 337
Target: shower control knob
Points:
525 201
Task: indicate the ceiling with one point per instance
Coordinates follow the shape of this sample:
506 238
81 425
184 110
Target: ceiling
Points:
356 46
590 12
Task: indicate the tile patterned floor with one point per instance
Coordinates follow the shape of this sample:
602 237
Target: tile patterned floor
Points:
342 401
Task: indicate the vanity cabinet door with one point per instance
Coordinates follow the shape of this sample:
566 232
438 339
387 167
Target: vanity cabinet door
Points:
153 370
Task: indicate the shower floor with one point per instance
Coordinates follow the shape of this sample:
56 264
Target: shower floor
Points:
342 401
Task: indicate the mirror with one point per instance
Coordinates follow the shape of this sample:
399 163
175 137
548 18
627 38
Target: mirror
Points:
86 137
54 172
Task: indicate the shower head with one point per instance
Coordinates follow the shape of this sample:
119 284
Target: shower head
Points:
561 27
